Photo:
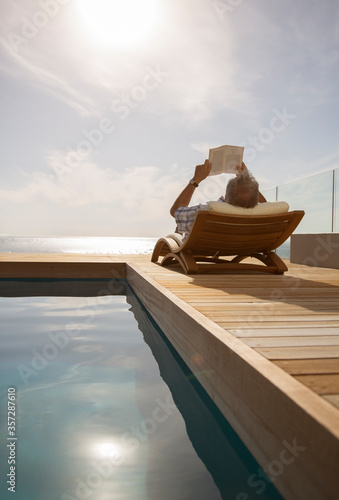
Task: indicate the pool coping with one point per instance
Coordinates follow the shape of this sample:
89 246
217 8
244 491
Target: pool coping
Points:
291 431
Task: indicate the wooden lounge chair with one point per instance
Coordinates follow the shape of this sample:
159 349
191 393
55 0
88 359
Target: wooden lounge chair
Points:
242 233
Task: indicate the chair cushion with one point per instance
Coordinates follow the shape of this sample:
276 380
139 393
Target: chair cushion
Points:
176 237
267 208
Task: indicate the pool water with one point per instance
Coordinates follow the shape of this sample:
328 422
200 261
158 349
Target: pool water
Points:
104 407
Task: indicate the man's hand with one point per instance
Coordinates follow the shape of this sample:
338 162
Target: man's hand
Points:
184 198
241 169
202 171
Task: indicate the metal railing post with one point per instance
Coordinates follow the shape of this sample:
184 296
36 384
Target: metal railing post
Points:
334 200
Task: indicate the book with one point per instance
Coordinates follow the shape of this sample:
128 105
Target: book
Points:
225 159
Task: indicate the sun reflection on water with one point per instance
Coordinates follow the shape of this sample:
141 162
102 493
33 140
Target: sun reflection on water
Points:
108 449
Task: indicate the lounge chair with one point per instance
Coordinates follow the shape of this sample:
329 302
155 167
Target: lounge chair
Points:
224 230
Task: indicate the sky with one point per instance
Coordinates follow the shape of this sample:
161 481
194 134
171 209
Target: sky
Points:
107 107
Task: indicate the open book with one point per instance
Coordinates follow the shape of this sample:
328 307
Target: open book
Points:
225 159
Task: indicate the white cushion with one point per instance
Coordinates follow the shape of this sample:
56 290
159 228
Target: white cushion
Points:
176 237
267 208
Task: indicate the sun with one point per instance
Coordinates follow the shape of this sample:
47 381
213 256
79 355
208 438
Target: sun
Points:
118 23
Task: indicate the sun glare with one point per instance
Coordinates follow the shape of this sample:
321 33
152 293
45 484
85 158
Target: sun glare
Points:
108 450
119 23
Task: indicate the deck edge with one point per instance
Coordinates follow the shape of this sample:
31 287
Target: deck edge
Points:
267 407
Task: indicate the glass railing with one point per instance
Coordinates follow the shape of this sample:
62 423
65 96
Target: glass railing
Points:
317 195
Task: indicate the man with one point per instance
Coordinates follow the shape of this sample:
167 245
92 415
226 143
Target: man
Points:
242 191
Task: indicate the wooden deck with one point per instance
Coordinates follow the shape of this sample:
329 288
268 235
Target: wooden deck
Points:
292 320
271 342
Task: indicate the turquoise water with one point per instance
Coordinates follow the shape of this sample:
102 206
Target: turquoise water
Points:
104 407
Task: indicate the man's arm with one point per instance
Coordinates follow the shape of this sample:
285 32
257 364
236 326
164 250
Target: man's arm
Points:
184 198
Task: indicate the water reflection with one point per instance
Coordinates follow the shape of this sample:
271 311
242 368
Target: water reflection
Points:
95 418
217 445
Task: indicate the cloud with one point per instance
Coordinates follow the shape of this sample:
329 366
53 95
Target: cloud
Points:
213 64
223 79
92 201
38 53
87 78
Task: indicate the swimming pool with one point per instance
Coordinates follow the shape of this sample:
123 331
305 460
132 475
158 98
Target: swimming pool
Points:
102 406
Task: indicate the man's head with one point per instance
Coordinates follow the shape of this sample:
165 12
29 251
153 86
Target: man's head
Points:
243 191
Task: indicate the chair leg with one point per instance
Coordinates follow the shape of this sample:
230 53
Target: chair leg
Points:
162 247
186 264
270 260
157 251
239 258
277 262
189 262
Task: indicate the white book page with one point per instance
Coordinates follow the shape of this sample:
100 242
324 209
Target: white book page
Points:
225 159
217 158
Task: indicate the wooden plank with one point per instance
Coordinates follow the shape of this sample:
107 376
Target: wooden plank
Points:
242 236
308 366
321 384
247 230
263 294
264 306
314 341
332 398
284 332
64 269
276 316
253 321
235 240
299 352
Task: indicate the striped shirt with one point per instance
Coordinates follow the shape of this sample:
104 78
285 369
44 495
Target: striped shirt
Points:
185 217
